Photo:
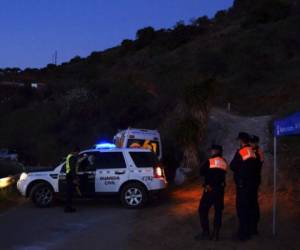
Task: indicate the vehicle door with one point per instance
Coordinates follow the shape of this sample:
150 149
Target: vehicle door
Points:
144 163
62 180
111 172
86 176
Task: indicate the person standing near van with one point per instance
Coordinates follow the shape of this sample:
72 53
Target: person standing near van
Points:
71 178
243 166
255 210
214 172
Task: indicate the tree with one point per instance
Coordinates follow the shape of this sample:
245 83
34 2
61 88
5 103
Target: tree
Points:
271 10
202 21
145 36
180 34
197 100
262 11
15 70
220 16
51 66
75 59
126 45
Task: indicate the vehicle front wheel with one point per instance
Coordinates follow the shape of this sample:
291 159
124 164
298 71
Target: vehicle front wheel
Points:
42 195
134 195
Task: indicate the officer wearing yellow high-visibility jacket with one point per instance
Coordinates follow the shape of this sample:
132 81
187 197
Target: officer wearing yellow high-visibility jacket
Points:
71 178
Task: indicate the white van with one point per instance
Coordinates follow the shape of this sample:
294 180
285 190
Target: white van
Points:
139 138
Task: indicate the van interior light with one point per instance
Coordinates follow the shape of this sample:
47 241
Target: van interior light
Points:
105 145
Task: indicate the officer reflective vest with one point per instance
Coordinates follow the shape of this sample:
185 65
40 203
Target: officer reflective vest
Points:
68 166
247 153
218 163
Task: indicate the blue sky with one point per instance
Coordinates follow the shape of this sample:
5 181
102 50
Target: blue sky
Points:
31 30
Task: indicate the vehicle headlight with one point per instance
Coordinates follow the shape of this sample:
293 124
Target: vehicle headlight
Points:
23 176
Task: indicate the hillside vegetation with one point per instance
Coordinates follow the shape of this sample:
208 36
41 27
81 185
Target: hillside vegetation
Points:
167 79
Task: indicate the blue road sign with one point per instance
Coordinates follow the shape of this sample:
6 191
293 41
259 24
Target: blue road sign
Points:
287 126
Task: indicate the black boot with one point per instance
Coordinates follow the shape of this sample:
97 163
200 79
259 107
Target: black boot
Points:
203 236
254 232
215 235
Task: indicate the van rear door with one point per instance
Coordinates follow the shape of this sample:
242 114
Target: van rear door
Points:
144 164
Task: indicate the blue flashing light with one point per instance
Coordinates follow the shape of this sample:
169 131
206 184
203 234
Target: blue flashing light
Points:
105 145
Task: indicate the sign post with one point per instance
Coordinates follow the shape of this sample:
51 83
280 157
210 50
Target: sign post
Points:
282 127
274 187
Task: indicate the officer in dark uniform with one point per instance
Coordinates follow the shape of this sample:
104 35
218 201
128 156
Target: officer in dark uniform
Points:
214 172
71 178
255 211
243 166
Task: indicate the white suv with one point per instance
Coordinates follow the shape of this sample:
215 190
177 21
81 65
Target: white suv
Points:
131 173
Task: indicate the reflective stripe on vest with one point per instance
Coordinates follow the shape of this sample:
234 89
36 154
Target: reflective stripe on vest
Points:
247 153
68 167
218 162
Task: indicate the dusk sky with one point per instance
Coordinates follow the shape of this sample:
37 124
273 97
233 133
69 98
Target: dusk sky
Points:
31 30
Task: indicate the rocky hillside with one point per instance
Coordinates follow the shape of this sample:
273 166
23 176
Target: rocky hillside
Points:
223 128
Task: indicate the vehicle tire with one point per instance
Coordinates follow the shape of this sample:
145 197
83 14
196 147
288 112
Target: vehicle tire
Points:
134 195
42 195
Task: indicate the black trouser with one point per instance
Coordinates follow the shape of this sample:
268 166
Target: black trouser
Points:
211 197
254 209
69 192
243 206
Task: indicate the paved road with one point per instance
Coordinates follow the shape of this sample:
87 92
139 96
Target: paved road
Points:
96 225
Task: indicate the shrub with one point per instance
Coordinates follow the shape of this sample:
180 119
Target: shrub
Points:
127 44
202 21
76 59
220 16
271 10
145 36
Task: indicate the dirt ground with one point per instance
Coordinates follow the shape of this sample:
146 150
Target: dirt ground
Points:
173 224
9 198
170 222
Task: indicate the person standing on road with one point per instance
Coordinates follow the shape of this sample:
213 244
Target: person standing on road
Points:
71 178
214 172
255 210
243 166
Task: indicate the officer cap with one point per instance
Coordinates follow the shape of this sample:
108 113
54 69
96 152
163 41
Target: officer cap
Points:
216 147
254 139
244 137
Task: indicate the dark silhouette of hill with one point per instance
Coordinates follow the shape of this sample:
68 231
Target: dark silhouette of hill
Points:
168 79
